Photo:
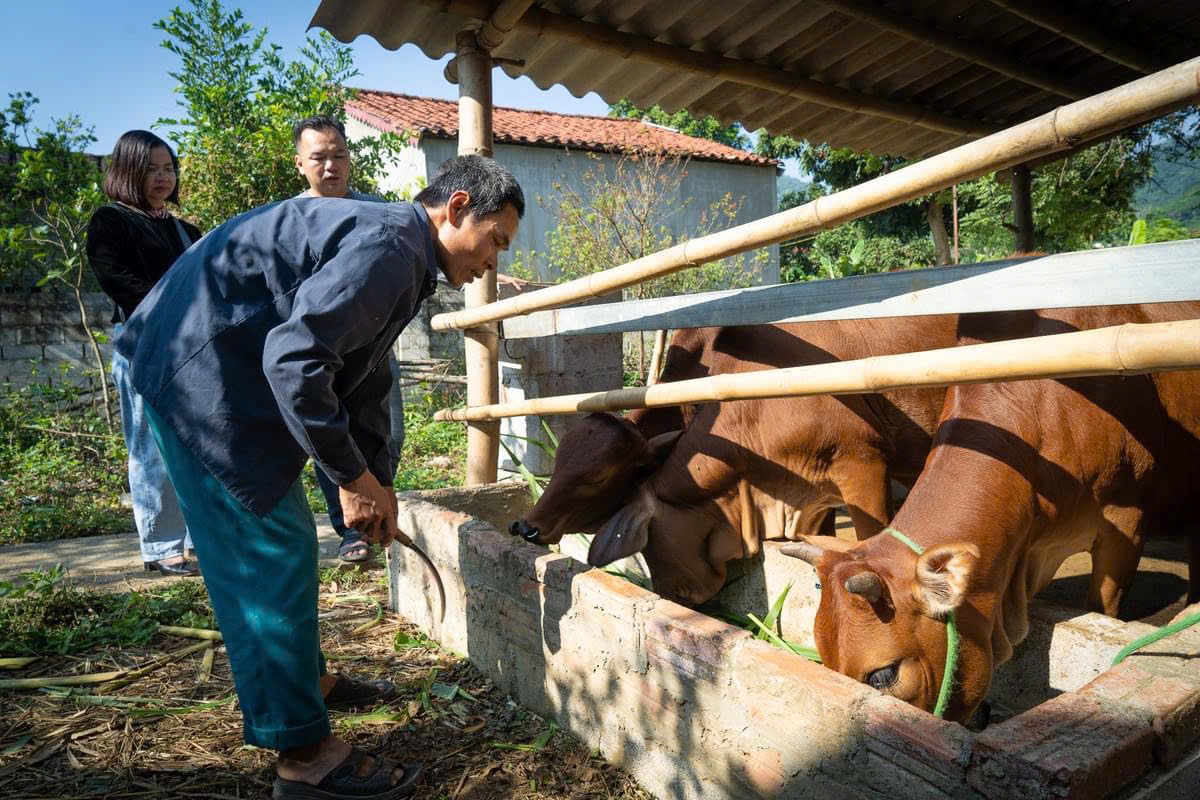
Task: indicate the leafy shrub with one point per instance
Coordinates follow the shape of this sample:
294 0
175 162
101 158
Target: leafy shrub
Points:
435 453
62 471
41 615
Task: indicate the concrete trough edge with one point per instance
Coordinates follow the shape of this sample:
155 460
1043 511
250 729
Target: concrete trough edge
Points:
696 708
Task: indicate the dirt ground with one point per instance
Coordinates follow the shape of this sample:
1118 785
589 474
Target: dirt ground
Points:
176 731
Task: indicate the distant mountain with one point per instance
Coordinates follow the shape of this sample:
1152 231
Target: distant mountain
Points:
786 183
1173 191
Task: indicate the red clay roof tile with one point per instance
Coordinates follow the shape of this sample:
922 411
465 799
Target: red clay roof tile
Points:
389 111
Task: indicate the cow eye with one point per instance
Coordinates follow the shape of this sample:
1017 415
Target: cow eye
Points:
881 679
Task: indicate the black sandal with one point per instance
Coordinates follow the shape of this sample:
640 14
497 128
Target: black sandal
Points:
344 783
349 694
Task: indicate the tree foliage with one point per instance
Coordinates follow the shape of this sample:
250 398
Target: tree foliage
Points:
45 177
240 97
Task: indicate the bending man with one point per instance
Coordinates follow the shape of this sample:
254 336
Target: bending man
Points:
264 346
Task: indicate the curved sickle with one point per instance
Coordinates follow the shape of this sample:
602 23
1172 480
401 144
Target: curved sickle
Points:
404 539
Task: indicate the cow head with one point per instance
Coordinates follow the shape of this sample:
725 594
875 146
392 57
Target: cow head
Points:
882 616
600 464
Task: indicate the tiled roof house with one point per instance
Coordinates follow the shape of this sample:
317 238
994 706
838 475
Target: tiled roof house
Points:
542 148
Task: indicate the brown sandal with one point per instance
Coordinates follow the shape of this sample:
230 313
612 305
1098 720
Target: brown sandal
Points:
344 783
349 694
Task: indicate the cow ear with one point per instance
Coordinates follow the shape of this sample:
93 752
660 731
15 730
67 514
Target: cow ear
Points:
660 446
626 531
943 574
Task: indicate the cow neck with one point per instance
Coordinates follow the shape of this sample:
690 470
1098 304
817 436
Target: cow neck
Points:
943 700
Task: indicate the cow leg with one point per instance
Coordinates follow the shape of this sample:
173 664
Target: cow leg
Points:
1115 556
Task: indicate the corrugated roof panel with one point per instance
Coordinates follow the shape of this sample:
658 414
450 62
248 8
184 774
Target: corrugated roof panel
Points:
816 42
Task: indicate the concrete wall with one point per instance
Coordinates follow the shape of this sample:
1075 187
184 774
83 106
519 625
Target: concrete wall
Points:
43 341
407 175
539 168
695 708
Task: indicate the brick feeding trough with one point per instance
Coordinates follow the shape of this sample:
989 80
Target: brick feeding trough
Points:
697 708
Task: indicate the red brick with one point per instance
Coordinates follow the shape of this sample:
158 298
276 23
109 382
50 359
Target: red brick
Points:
763 771
697 636
1172 704
1070 747
894 726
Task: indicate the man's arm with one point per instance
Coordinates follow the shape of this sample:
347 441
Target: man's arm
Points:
343 307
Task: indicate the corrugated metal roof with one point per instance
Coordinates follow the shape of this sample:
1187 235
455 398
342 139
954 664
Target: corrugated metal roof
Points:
390 111
909 78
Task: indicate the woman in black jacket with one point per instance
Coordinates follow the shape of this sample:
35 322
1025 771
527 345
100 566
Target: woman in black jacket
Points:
131 244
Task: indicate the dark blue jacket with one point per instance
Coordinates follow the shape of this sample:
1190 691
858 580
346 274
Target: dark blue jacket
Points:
265 344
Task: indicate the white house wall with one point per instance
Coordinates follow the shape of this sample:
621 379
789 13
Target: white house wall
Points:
406 175
539 168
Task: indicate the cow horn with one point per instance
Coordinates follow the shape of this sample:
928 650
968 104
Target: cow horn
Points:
866 585
805 551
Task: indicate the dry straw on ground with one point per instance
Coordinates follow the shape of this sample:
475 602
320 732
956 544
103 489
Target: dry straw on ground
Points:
175 731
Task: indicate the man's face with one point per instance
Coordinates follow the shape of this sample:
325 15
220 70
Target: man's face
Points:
468 246
324 160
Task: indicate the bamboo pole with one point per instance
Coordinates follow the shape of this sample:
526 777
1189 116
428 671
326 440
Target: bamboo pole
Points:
481 344
501 22
1022 208
1118 108
1119 350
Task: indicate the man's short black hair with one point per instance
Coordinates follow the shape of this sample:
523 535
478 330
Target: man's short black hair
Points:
489 184
321 122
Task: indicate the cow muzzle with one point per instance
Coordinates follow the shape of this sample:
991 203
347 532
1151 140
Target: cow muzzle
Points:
526 531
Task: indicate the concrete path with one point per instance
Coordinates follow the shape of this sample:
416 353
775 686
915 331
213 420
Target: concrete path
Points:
103 559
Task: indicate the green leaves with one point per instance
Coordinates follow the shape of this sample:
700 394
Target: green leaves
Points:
240 96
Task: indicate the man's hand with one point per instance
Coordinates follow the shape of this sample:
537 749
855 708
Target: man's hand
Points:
508 280
369 508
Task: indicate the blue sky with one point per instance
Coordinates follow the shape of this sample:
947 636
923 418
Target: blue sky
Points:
102 60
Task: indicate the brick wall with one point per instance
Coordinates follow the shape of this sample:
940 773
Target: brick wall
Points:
42 339
699 710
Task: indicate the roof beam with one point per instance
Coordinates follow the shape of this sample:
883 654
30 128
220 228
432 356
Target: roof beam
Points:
1069 26
972 51
788 84
501 22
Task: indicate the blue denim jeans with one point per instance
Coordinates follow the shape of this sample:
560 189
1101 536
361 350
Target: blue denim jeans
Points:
261 575
156 513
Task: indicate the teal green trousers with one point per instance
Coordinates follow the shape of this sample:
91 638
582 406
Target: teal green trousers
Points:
261 574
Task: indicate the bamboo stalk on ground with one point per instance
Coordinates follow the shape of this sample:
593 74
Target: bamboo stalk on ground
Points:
1118 350
191 633
17 662
1054 131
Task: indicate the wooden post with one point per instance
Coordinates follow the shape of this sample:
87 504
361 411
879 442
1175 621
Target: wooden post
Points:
481 344
1022 206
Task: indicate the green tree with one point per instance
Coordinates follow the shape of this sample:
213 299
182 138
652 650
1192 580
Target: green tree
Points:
50 188
1078 201
240 97
685 123
40 169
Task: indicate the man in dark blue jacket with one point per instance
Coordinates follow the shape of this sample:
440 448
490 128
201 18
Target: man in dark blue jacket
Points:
265 345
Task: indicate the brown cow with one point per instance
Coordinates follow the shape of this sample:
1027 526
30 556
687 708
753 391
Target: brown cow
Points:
1021 475
746 470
